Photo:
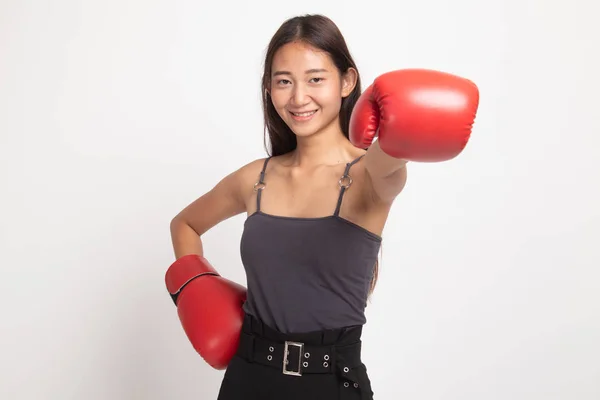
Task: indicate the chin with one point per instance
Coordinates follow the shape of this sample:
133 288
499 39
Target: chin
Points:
306 132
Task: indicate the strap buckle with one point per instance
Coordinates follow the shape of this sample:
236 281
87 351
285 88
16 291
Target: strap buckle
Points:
286 353
345 181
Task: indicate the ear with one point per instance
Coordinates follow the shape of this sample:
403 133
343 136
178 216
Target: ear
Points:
349 81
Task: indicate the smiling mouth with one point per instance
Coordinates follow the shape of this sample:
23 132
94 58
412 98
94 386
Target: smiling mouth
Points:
303 114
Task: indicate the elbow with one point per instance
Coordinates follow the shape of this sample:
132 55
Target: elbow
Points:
176 225
184 238
179 225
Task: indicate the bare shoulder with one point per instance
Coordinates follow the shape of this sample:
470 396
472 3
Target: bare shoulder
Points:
250 170
227 198
249 174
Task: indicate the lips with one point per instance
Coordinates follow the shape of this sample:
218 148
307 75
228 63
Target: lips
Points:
303 114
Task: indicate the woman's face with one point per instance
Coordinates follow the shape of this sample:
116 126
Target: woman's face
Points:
306 88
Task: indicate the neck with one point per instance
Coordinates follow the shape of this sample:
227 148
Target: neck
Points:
329 147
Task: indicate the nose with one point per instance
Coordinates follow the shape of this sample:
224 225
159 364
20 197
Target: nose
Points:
300 96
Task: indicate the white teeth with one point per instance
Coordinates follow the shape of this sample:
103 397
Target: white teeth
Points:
306 114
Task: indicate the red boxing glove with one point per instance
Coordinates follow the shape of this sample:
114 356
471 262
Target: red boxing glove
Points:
418 115
209 308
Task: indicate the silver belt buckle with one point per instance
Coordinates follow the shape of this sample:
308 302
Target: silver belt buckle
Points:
285 358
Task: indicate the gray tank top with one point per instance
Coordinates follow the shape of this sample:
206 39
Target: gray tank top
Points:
306 274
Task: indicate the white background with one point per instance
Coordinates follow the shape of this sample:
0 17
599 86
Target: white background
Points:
114 115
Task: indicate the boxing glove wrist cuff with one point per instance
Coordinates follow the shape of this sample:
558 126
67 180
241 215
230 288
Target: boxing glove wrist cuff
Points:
184 270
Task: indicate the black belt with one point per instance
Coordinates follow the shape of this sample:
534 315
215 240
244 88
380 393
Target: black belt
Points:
297 358
333 351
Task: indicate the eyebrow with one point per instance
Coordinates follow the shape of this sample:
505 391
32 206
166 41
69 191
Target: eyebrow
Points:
308 71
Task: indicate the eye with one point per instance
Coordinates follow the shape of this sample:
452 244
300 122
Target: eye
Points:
282 81
317 80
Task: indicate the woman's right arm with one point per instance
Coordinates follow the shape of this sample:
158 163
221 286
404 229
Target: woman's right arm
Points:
223 201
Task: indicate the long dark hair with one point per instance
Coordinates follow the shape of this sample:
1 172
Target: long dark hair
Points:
322 33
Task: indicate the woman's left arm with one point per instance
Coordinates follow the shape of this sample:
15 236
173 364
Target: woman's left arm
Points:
387 174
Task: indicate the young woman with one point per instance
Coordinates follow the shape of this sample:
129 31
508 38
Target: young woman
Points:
316 208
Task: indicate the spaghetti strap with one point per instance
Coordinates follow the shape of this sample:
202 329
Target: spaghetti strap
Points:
345 182
260 185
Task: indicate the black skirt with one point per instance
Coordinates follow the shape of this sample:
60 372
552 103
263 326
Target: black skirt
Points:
321 365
